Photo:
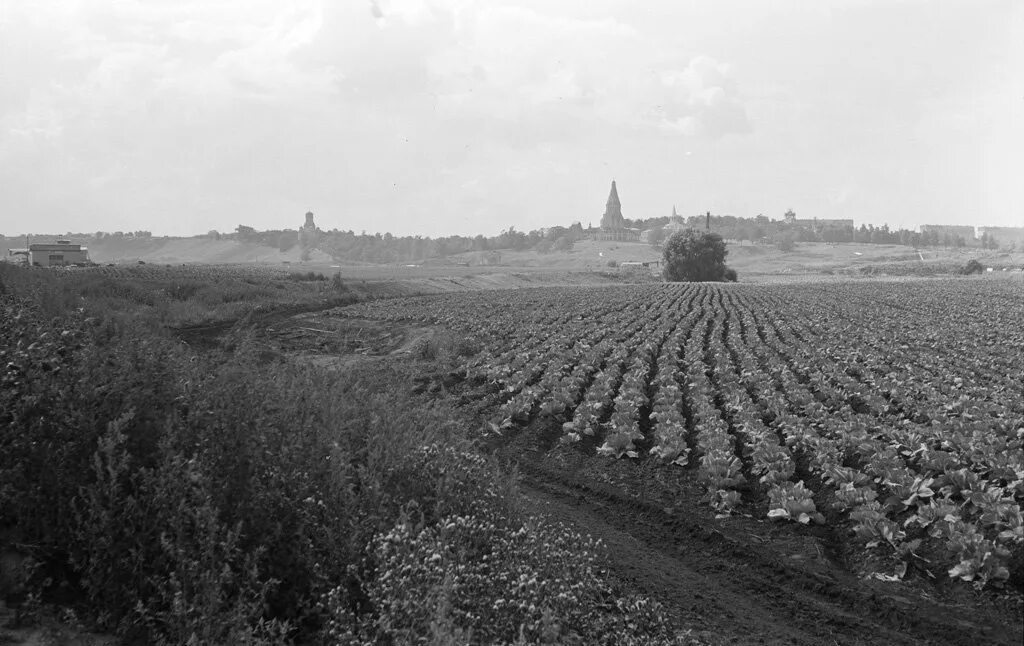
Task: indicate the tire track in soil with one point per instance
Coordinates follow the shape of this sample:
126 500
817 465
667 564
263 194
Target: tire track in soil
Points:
208 335
712 580
715 576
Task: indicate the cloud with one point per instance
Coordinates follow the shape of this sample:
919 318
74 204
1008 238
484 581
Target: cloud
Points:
426 108
702 99
521 65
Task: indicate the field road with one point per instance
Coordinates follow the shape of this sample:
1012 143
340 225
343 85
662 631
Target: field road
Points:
733 587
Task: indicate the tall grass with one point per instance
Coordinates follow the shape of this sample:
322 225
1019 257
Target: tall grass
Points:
220 498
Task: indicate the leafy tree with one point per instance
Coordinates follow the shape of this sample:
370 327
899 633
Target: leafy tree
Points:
563 243
656 237
692 255
785 242
973 267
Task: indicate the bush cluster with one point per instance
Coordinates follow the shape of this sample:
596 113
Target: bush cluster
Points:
973 267
175 296
486 576
692 255
220 498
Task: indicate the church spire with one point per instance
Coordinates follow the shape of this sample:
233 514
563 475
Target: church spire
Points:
612 218
674 214
613 197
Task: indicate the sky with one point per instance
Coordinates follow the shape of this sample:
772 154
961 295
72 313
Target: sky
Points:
444 117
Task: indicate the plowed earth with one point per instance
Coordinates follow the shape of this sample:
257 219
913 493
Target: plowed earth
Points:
747 581
739 577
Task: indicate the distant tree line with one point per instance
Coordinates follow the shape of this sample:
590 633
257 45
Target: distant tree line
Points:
386 248
762 229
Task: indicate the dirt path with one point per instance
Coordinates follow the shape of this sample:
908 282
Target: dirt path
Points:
743 580
733 585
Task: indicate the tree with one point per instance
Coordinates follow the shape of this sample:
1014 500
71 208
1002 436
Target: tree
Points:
563 243
785 242
973 267
692 255
656 237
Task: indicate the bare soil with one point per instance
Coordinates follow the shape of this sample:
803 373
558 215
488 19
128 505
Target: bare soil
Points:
742 578
746 580
739 579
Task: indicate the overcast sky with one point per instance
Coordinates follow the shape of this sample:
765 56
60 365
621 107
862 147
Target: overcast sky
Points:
441 117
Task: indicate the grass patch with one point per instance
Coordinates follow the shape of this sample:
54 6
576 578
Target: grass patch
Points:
221 497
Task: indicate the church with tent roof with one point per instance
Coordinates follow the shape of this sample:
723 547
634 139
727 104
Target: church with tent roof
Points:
613 225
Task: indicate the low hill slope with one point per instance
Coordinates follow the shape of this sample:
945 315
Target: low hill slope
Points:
191 250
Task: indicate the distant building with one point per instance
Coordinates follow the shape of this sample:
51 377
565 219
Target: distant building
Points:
309 225
1003 235
815 224
57 254
952 230
675 224
17 256
613 225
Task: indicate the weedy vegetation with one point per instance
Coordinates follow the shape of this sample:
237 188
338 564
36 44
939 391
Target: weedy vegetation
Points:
891 411
175 496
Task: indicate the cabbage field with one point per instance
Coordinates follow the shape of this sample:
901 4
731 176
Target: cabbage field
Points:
890 412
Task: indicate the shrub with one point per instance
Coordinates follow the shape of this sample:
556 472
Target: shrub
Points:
192 495
338 284
691 255
309 276
564 243
223 499
973 267
785 242
470 567
439 346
